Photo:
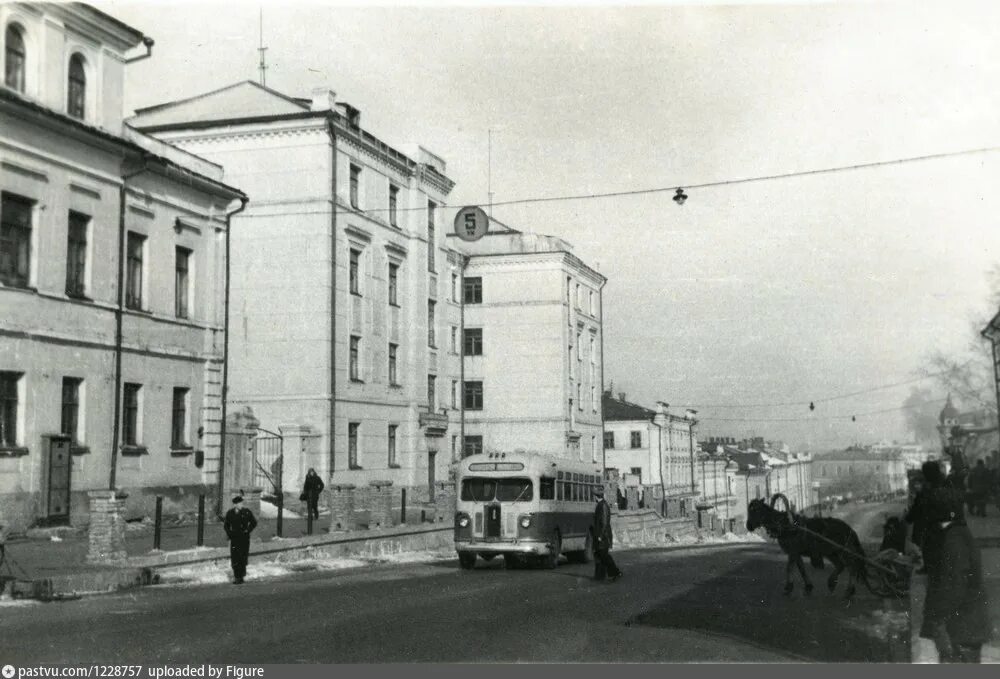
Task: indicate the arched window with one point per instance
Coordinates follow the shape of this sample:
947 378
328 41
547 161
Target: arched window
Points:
14 58
77 91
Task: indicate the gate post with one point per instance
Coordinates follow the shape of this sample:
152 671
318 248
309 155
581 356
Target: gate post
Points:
341 507
381 504
106 533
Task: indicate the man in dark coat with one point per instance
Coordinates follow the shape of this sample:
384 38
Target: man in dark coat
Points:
979 489
239 523
604 565
311 489
955 611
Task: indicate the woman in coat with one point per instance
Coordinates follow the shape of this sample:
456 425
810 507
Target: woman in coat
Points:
310 490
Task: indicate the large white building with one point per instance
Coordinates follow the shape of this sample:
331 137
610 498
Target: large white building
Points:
345 297
532 344
112 260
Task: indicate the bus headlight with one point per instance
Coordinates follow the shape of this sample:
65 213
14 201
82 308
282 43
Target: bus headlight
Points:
525 521
463 521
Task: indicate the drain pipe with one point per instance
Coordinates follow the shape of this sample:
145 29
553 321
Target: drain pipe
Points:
604 452
119 313
225 361
333 293
461 363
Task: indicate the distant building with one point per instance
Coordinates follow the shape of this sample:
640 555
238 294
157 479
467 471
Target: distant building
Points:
112 281
858 471
655 446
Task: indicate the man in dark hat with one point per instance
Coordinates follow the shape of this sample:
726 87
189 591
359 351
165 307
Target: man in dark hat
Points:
239 523
604 565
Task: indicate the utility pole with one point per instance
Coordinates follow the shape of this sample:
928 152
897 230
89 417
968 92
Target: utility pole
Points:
262 50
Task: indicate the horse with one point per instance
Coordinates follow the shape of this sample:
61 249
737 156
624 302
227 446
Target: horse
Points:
798 536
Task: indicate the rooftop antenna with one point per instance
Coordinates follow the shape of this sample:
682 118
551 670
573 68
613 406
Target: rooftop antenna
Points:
263 57
489 170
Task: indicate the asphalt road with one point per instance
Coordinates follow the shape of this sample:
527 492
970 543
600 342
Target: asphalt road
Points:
721 604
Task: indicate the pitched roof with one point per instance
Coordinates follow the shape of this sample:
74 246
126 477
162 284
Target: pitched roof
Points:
623 411
245 99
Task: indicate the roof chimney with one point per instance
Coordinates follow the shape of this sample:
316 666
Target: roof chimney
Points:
323 99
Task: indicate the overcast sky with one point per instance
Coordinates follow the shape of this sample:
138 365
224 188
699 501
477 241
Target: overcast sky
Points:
778 291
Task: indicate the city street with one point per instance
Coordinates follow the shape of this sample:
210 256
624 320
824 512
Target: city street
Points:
718 603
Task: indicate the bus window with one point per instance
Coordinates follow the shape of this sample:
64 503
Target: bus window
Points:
478 490
514 490
547 489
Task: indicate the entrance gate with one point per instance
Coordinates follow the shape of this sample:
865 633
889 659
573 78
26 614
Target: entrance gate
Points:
268 462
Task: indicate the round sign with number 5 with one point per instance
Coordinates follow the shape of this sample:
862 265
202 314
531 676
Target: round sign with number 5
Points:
471 223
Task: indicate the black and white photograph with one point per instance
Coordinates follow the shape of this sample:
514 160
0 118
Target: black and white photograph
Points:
492 333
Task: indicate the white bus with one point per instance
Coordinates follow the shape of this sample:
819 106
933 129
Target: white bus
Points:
524 506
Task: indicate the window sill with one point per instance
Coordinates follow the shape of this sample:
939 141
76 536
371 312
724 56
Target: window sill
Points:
14 451
181 451
18 286
393 465
134 451
354 467
395 386
394 305
79 450
355 293
145 312
79 297
355 380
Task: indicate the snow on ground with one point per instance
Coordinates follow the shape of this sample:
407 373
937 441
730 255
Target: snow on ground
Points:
269 511
880 624
655 539
209 574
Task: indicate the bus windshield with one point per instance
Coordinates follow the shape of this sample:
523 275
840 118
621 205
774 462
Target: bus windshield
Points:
501 490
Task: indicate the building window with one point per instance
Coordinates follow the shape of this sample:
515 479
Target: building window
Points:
182 281
432 392
393 284
15 240
355 271
392 445
472 395
76 255
76 92
355 181
431 335
179 420
579 346
393 200
454 340
355 351
131 422
393 349
352 445
454 287
593 352
579 401
133 290
473 341
593 448
431 242
14 59
578 296
472 290
593 398
569 290
636 439
609 440
454 393
637 471
70 425
593 309
454 448
472 445
8 408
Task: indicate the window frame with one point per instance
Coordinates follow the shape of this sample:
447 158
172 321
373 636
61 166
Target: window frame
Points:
180 429
182 281
135 270
355 186
432 392
432 324
393 205
15 239
609 437
635 439
131 415
20 72
473 443
353 446
431 236
471 389
76 254
391 446
76 87
69 416
10 409
355 271
354 359
472 341
472 290
393 364
393 284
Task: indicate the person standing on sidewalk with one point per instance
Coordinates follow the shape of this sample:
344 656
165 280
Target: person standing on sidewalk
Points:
239 523
980 481
311 490
956 615
604 565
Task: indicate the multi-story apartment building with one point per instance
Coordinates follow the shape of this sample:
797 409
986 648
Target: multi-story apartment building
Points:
532 344
345 298
656 445
857 471
112 260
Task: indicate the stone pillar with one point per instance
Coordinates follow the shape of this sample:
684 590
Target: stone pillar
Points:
444 501
251 500
341 500
300 450
106 533
633 497
380 499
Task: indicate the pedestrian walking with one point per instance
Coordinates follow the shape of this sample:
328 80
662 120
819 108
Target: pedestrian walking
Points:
956 613
604 565
311 490
239 523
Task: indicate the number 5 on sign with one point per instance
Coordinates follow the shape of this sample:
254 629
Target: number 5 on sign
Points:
471 223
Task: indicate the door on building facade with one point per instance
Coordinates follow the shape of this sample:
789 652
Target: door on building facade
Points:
431 457
59 463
